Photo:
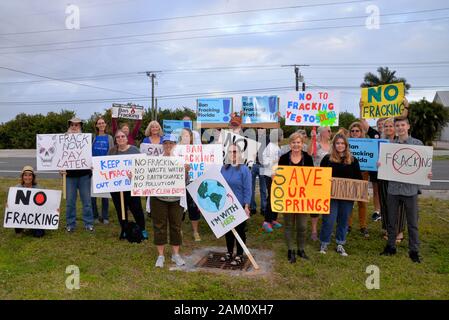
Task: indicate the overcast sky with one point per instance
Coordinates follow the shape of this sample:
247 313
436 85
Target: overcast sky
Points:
246 41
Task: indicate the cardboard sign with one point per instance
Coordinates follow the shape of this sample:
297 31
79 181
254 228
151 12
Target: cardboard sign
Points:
110 173
349 189
301 190
158 176
152 150
216 201
175 126
199 157
31 208
261 109
214 111
383 101
366 151
249 147
66 151
127 112
405 163
312 108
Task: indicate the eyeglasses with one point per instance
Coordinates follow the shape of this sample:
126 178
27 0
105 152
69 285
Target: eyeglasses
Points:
355 130
74 124
121 136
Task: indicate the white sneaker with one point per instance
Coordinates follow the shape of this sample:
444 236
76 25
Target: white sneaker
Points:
341 251
323 248
176 258
160 262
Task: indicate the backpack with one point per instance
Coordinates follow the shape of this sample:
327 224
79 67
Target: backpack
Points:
133 232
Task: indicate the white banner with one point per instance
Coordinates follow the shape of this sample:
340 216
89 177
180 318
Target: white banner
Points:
127 112
199 157
216 201
65 151
405 163
110 173
158 176
152 150
249 147
31 208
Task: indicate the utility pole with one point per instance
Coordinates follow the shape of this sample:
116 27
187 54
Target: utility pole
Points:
152 109
298 76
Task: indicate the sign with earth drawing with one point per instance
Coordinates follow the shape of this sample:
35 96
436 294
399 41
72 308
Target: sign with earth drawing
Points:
216 201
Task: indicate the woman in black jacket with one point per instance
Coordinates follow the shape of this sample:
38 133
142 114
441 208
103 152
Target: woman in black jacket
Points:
296 157
343 165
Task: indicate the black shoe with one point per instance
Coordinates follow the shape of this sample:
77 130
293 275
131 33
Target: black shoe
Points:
349 230
364 232
289 254
292 257
414 256
252 212
388 251
302 254
376 216
122 235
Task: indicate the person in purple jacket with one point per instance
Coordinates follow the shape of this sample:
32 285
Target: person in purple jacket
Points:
238 176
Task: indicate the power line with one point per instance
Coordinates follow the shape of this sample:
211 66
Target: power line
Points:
65 81
189 17
218 28
223 36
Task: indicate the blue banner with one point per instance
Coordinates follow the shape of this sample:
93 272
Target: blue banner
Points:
214 110
366 151
261 109
175 126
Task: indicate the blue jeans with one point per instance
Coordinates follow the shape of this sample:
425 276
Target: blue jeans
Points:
255 172
83 185
340 211
104 208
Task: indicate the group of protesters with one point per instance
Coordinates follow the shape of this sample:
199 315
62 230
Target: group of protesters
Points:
394 202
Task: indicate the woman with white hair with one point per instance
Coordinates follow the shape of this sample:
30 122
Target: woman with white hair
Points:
153 133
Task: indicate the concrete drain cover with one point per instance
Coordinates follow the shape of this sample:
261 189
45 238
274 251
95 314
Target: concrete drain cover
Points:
213 260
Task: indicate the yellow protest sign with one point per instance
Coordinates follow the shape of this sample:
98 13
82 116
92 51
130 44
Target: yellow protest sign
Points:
301 190
382 101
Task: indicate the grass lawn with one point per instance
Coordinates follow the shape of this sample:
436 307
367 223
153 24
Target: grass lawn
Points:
33 268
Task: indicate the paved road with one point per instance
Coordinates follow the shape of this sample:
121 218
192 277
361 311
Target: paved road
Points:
11 166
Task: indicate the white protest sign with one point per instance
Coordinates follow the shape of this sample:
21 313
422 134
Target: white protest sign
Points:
127 112
249 147
158 176
31 208
66 151
152 150
110 173
216 201
312 108
199 157
405 163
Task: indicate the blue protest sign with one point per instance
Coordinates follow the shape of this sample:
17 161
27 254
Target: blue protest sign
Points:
175 126
214 110
366 151
262 109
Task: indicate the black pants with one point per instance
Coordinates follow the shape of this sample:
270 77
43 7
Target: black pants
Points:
386 217
269 214
134 205
231 240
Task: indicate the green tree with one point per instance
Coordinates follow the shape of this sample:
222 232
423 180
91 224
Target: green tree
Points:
345 119
427 119
386 76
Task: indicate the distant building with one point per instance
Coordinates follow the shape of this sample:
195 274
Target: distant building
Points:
443 98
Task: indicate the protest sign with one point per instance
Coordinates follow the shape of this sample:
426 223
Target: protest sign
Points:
260 110
110 173
199 157
249 147
301 190
66 151
216 201
152 150
405 163
349 189
127 111
383 101
366 151
175 126
158 176
312 108
31 208
214 111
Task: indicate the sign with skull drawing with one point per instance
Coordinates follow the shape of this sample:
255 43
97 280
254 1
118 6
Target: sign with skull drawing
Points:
66 151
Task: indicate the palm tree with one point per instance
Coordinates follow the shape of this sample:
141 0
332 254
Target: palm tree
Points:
386 76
